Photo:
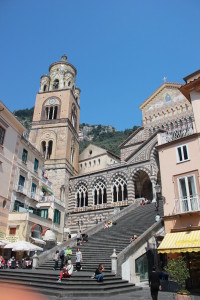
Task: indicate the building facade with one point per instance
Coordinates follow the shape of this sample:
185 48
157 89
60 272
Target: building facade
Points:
34 206
92 187
10 132
181 186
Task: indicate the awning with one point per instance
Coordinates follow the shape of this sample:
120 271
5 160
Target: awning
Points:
47 190
186 241
38 241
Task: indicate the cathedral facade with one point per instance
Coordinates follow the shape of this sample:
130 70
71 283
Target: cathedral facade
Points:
97 184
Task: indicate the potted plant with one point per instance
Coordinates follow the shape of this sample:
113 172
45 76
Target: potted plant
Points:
179 272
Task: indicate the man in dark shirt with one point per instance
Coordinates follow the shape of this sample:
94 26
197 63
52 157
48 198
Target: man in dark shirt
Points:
154 284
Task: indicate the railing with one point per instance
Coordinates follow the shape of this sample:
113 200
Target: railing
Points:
22 189
78 209
99 206
35 196
47 182
120 203
52 199
176 133
187 204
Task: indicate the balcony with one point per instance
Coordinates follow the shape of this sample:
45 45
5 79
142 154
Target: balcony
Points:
176 134
47 182
53 199
21 189
187 204
34 196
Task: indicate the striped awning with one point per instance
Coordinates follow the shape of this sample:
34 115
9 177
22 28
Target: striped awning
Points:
186 241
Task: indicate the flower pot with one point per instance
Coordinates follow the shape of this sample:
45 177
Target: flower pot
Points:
182 297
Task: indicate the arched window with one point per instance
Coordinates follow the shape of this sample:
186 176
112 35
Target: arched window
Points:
99 192
49 149
82 195
74 116
119 189
69 83
56 84
45 88
43 148
51 112
171 126
72 156
46 149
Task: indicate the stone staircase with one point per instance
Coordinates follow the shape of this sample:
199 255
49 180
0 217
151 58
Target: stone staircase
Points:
97 250
100 246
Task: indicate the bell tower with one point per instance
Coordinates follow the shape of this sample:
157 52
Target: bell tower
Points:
55 124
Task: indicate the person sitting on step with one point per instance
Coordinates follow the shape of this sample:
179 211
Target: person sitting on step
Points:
99 273
133 238
67 271
109 223
106 225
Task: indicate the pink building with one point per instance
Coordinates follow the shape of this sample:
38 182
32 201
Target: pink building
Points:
179 155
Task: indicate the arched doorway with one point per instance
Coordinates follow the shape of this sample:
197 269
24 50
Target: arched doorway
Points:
143 185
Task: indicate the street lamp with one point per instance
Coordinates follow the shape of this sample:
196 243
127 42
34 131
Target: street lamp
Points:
158 190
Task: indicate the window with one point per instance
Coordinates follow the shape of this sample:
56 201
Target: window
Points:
33 189
4 203
82 195
21 180
36 164
187 193
12 231
56 84
44 213
24 155
2 134
56 216
18 206
51 112
182 153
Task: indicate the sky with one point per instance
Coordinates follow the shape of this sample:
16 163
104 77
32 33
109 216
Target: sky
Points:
121 50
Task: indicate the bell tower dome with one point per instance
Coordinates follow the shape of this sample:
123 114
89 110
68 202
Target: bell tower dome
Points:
55 124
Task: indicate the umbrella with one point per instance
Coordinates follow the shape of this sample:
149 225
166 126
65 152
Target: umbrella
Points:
23 246
3 242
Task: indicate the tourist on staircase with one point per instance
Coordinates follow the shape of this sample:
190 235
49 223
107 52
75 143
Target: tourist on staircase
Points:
67 271
79 260
56 260
68 254
79 238
99 273
62 258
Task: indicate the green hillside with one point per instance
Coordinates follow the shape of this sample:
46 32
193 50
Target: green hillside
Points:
103 136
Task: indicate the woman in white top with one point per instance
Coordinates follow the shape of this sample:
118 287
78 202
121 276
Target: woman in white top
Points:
78 260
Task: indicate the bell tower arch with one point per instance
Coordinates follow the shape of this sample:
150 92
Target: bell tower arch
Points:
55 124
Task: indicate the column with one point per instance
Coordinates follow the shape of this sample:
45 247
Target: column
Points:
130 190
153 181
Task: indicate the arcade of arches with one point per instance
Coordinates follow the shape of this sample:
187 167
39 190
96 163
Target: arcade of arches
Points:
117 191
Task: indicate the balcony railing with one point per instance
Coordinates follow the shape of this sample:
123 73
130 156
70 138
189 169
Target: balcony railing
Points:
22 189
52 199
176 134
35 196
47 182
186 204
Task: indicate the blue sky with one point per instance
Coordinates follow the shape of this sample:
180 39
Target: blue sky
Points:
121 49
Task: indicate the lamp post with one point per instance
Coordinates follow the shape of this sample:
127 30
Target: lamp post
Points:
158 190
